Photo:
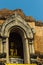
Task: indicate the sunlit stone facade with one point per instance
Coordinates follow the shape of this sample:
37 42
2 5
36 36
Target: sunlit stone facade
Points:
21 37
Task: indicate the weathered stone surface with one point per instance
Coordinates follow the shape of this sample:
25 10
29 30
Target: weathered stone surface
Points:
5 13
29 19
37 25
38 44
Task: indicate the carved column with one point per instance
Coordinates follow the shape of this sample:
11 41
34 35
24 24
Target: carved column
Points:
7 51
33 48
30 48
3 41
1 46
31 45
26 52
1 49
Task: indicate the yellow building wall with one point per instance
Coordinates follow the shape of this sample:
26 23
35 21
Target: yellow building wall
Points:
38 37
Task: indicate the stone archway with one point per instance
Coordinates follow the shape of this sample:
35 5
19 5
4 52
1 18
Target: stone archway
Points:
16 39
17 21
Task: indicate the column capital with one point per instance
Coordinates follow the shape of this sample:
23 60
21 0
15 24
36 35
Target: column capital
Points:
26 38
30 41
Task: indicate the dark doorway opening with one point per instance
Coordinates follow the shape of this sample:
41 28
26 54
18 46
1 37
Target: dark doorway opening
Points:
15 45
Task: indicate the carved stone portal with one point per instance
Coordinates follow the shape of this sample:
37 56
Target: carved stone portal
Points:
16 26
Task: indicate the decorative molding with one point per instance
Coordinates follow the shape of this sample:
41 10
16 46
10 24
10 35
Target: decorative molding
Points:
16 20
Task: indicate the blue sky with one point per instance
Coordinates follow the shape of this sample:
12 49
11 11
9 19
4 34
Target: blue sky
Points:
30 7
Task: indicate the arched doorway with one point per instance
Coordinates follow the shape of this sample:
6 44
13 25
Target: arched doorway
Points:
16 45
22 24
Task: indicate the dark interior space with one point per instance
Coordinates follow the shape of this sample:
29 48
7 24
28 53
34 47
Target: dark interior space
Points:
15 43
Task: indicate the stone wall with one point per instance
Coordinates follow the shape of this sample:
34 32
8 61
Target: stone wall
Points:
38 37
